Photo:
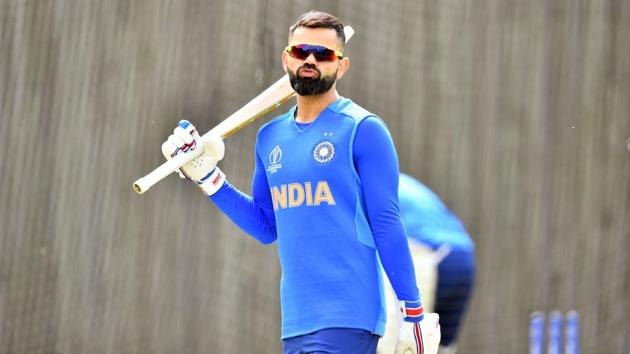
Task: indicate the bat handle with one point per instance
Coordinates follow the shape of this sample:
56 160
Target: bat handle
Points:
143 184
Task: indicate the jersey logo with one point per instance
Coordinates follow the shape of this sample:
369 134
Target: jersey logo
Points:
293 195
324 152
274 159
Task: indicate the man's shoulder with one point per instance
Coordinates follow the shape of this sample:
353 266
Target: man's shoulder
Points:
276 120
346 107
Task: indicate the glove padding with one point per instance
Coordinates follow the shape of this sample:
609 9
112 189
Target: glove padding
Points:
202 170
418 337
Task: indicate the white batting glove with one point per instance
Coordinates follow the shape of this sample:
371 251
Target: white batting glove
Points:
418 333
202 170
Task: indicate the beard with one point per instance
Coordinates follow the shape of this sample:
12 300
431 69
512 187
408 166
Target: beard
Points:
308 86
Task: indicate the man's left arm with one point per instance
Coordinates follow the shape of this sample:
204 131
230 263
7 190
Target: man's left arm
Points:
376 162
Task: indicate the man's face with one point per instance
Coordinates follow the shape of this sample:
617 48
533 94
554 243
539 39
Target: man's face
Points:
310 76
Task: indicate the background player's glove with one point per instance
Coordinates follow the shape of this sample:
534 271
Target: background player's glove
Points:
418 333
203 170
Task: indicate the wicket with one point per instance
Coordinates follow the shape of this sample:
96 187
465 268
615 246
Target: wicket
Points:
554 333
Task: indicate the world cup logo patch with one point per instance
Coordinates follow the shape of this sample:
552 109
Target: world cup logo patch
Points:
324 152
274 159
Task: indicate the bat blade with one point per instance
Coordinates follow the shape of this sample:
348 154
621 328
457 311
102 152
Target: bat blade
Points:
274 96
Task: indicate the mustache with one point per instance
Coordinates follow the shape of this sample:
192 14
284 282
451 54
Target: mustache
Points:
309 67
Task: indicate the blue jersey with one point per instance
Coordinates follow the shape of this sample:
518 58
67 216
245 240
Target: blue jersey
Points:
309 194
427 219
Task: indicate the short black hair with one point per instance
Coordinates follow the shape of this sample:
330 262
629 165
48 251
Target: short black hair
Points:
319 19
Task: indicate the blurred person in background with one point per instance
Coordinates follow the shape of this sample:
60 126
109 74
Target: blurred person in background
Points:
444 260
325 187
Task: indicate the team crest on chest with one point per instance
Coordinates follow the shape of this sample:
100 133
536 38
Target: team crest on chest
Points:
324 152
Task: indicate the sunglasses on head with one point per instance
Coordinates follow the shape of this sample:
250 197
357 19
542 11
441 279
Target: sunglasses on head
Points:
321 53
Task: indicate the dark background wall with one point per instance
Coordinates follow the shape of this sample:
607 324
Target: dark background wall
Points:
516 113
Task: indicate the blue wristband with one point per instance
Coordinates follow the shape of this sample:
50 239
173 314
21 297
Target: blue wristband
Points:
412 311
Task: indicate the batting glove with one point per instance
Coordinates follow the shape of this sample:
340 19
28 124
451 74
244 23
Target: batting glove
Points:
418 333
202 170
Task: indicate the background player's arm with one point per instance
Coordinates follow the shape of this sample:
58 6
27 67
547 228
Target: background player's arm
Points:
377 165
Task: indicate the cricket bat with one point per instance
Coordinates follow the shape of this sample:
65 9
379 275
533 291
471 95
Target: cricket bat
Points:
277 94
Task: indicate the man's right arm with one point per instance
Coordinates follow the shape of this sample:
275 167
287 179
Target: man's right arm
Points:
254 215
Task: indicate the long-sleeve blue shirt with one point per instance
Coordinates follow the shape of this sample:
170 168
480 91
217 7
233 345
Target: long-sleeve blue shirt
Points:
311 185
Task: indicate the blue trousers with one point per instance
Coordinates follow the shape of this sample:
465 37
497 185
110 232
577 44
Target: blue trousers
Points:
456 275
333 341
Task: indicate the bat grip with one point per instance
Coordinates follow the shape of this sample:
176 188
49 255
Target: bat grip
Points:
143 184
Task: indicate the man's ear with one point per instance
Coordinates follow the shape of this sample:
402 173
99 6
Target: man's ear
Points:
284 62
344 65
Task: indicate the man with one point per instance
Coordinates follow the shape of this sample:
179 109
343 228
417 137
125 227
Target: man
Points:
324 186
437 234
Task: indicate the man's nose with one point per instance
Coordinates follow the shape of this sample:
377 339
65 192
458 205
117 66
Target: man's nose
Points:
311 59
